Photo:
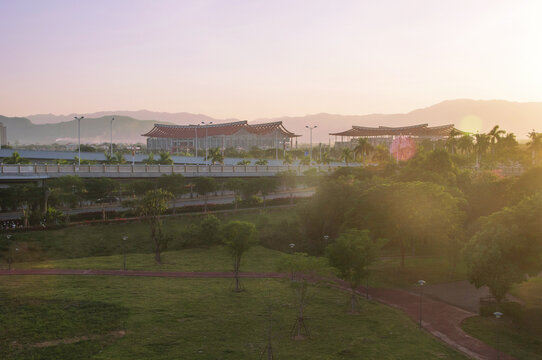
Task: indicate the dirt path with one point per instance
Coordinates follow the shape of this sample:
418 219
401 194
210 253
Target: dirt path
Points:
439 318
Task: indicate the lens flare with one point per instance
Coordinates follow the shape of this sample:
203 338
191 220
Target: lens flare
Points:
403 148
471 124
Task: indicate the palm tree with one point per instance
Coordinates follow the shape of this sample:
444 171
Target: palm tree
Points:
452 141
109 159
381 154
15 158
534 144
150 160
466 144
119 158
261 162
494 136
243 162
362 147
165 158
482 143
326 158
216 156
346 155
288 159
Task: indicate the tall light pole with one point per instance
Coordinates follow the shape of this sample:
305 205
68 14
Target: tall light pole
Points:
196 139
310 128
206 143
292 245
79 134
124 238
421 283
498 316
111 140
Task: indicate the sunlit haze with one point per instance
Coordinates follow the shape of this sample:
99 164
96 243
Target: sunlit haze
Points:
256 59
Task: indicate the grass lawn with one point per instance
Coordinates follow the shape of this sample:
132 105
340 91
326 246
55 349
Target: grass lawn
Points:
169 318
530 292
522 344
520 336
103 240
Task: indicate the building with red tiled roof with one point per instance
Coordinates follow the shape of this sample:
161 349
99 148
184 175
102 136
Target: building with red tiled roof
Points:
237 135
386 134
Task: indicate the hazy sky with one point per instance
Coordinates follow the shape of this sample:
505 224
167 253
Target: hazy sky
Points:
251 59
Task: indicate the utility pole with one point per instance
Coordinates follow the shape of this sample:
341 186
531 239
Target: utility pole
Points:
111 139
206 139
310 129
79 135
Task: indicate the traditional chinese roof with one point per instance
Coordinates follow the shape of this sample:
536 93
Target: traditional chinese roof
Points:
200 131
413 130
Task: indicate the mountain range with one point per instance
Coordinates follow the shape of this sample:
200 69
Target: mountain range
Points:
467 115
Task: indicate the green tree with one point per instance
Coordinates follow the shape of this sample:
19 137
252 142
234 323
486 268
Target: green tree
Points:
301 267
495 136
534 144
236 185
98 188
173 183
288 160
327 210
481 146
165 158
243 162
119 158
209 231
351 254
305 160
150 160
216 156
326 158
239 237
267 185
409 214
466 144
152 206
205 186
109 159
451 141
363 146
347 155
65 190
53 217
261 162
15 158
507 248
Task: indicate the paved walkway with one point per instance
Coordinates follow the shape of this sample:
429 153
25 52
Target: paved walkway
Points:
439 319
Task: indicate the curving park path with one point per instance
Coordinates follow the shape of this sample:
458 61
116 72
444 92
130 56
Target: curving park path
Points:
440 319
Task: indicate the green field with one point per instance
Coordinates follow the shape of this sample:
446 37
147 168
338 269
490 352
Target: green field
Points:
520 329
197 319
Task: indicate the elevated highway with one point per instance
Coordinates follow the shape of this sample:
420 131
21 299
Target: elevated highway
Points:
43 171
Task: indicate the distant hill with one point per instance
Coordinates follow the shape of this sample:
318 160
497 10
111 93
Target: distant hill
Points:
125 129
467 115
174 118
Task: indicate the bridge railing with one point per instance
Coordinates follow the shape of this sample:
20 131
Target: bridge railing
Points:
153 170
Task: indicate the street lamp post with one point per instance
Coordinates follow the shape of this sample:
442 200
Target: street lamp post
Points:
10 257
124 238
79 135
310 131
111 139
421 283
206 140
292 245
498 316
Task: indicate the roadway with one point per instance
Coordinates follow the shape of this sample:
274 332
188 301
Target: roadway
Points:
179 203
